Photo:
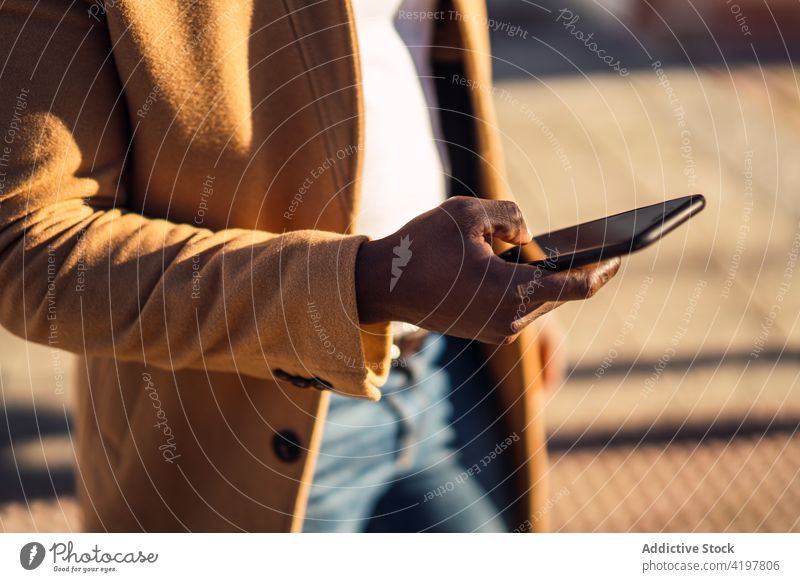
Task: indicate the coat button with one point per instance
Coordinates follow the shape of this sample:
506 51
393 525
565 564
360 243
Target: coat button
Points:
321 384
302 382
286 446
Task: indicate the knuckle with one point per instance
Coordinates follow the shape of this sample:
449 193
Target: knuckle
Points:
509 213
612 272
591 285
576 287
506 329
459 206
514 212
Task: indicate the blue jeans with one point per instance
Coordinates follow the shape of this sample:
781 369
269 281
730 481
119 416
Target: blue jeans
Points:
392 465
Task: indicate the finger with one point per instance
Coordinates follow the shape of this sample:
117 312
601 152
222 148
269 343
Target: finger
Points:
537 311
501 219
582 282
570 285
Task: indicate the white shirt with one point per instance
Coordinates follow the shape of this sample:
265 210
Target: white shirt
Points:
403 171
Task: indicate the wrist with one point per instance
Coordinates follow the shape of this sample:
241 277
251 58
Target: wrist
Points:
372 283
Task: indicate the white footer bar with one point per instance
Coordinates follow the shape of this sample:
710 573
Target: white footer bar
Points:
402 558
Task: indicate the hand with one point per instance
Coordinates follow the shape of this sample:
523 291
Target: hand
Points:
439 272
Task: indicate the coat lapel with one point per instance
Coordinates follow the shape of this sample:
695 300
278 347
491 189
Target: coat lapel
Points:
328 44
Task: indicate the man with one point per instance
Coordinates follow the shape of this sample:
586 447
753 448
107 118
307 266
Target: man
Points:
180 205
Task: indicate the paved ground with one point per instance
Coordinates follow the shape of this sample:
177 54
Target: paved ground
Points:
720 485
682 409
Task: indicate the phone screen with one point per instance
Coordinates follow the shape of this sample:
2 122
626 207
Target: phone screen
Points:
615 235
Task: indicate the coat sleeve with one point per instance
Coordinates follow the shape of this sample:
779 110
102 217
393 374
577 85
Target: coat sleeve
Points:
80 272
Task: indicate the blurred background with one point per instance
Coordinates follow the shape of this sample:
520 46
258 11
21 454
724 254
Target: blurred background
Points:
682 405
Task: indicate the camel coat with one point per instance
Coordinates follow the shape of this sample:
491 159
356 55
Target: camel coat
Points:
178 183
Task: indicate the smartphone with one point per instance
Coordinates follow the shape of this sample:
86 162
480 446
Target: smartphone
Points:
612 236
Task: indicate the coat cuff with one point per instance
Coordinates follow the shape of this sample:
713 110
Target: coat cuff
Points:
333 349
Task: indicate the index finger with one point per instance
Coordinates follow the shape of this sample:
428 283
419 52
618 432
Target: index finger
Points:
570 285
